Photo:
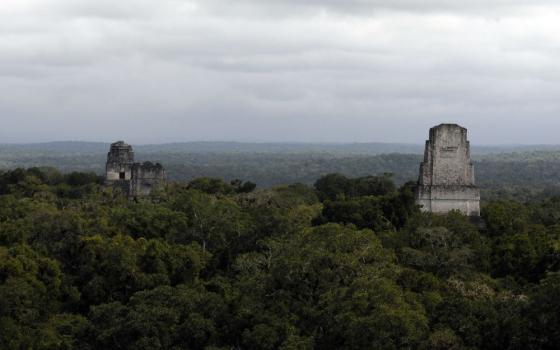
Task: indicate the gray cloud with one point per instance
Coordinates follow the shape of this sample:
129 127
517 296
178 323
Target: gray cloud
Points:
494 8
278 70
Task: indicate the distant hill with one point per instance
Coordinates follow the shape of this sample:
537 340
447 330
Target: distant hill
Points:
73 147
78 147
268 164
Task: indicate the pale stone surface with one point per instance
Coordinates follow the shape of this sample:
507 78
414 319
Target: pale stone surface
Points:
146 177
119 162
446 180
136 179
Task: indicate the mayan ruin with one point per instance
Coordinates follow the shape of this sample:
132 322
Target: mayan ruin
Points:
446 181
134 179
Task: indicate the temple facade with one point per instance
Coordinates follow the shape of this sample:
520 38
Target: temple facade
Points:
446 180
135 179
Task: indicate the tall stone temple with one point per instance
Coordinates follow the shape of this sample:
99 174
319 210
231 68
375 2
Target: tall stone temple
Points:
446 180
135 179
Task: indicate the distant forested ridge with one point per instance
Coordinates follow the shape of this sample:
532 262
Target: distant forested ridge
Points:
347 263
518 172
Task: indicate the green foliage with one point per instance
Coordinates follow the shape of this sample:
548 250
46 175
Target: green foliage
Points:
364 212
337 186
349 264
387 211
218 186
443 245
544 313
505 218
524 238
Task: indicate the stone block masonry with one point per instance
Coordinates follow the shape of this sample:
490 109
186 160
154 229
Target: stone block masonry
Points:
146 177
446 180
135 179
119 162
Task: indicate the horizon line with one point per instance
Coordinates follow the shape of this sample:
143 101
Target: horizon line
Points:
303 143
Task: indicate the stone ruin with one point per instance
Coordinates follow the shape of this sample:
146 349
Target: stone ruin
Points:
134 179
446 180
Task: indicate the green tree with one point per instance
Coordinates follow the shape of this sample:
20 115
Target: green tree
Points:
544 314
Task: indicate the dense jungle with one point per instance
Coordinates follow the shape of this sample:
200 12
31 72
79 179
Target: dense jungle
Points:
342 263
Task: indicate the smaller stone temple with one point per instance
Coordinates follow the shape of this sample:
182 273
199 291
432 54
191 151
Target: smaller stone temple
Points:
135 179
446 180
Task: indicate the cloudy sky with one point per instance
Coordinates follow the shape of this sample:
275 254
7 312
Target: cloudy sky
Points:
279 70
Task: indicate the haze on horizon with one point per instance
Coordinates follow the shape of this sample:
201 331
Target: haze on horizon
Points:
279 70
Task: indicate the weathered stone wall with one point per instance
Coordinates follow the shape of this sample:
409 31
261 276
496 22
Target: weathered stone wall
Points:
446 179
135 179
146 177
443 199
447 159
119 162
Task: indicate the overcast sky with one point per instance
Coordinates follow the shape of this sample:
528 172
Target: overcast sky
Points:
152 71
